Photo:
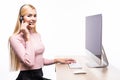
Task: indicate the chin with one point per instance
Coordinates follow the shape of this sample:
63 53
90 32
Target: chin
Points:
32 26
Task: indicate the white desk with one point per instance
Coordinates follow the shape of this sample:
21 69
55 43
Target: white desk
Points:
63 72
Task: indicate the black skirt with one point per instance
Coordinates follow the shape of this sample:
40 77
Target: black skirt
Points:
35 74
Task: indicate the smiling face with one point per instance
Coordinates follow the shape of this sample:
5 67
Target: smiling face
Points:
29 15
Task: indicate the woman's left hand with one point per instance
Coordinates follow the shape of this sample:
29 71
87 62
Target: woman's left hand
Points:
64 60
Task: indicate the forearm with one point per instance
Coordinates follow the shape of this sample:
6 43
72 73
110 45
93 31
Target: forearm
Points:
24 52
56 60
59 60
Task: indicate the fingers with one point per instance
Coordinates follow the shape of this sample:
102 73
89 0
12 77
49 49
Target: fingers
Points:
69 60
65 60
24 26
25 30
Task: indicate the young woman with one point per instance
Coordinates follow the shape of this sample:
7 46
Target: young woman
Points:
26 47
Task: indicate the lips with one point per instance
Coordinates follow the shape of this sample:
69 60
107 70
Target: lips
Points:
31 23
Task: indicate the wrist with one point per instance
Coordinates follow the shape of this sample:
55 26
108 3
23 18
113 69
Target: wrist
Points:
56 61
27 37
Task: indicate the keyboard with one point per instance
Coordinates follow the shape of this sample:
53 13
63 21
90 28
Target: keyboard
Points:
75 65
80 71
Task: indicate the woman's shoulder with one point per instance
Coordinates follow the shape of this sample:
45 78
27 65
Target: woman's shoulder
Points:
15 36
12 36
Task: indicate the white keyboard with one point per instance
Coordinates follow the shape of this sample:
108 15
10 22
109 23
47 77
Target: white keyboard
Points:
80 71
75 65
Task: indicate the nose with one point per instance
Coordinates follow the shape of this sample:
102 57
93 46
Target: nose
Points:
33 18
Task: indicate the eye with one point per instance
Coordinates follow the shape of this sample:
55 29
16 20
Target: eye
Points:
35 15
29 15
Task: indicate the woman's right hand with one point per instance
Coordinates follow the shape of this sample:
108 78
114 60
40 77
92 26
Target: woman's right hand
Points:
25 30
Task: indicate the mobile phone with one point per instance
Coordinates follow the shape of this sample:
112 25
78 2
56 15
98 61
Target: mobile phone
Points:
21 19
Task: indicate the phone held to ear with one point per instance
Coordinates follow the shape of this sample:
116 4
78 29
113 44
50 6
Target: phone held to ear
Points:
21 19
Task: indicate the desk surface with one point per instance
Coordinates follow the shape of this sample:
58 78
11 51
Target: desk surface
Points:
63 72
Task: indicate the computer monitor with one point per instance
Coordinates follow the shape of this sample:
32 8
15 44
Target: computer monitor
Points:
93 41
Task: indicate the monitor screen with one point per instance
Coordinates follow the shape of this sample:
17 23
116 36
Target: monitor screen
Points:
94 34
93 41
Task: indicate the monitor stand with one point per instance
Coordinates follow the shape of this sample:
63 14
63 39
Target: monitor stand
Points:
102 63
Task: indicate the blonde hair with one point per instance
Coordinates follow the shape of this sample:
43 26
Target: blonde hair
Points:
15 62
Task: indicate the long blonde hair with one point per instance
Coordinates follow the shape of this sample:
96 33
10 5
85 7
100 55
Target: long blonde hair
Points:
15 62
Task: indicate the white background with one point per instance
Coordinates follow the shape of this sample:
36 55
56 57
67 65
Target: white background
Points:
62 26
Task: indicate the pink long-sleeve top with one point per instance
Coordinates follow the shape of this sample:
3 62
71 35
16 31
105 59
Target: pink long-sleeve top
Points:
29 52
